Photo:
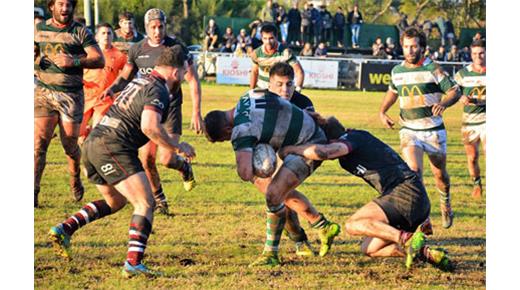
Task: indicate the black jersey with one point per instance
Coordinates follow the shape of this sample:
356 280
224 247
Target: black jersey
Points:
122 123
374 161
302 102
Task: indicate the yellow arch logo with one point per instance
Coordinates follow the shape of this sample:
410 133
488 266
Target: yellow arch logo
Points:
477 93
415 95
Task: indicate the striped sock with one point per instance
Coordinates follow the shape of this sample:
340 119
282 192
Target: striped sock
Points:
275 223
445 195
321 223
140 229
89 213
159 195
477 181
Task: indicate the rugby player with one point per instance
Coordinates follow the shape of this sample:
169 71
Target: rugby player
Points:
419 83
389 221
141 58
472 80
126 35
269 53
65 49
110 157
95 81
264 117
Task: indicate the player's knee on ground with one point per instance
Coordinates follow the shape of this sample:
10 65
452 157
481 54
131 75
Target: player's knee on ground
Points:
365 248
70 146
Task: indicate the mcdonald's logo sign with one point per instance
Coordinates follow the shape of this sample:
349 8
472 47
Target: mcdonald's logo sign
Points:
477 93
415 95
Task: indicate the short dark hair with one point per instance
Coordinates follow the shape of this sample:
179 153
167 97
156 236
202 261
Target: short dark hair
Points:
104 24
269 28
172 56
214 123
413 32
478 43
282 69
51 3
333 128
126 15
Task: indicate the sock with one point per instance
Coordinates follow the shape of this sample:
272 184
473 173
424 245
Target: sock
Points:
275 223
87 214
445 196
293 228
140 229
477 181
404 237
159 195
321 223
424 254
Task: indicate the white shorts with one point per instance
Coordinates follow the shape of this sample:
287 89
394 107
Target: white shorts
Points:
431 142
472 133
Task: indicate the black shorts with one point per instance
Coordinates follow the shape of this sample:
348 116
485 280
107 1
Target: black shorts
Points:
407 205
108 163
173 124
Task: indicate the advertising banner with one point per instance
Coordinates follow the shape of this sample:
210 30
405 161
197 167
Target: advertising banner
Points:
233 70
375 76
320 73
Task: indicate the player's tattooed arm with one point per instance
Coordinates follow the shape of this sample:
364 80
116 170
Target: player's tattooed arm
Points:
316 151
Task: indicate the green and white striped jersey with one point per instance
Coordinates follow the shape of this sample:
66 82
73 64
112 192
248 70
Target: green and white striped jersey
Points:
418 89
266 61
473 86
51 40
263 117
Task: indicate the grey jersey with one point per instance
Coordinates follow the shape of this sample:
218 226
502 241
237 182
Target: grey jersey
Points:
263 117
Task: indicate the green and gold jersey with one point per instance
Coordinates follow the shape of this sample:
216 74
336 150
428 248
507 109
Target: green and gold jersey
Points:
266 61
124 44
473 86
263 117
418 89
51 40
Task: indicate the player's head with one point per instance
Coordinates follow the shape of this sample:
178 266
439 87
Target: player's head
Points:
333 128
281 80
269 34
478 52
171 63
126 22
217 127
104 35
413 42
155 24
62 10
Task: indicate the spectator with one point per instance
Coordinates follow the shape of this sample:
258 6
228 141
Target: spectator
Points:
378 48
478 36
390 48
316 23
321 50
453 55
355 19
403 24
450 33
268 12
428 52
465 54
427 28
243 40
326 21
295 22
228 40
306 27
212 33
256 26
441 25
339 26
283 23
440 55
307 50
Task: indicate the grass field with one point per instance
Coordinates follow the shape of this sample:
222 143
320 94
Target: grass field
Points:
218 228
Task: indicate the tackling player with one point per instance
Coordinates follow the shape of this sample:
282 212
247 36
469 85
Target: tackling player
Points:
110 157
472 80
65 48
419 84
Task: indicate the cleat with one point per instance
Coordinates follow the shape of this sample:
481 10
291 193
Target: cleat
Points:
130 271
77 188
426 227
187 176
446 212
327 235
161 206
60 241
477 192
413 246
304 249
438 257
266 260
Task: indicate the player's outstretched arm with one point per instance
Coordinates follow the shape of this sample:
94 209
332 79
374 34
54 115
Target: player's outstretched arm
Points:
125 76
316 151
196 92
388 101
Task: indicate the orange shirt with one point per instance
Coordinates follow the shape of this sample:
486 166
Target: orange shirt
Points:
95 81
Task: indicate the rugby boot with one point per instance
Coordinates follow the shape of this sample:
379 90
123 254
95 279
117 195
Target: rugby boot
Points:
477 192
304 249
426 227
446 212
130 271
161 206
267 259
187 176
413 246
76 187
60 241
327 235
438 257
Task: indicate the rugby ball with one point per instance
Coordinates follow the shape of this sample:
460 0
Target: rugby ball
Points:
264 160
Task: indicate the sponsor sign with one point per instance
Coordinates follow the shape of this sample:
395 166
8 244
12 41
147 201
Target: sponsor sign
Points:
320 73
375 76
233 70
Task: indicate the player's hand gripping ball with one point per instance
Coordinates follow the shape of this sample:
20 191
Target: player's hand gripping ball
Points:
264 160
